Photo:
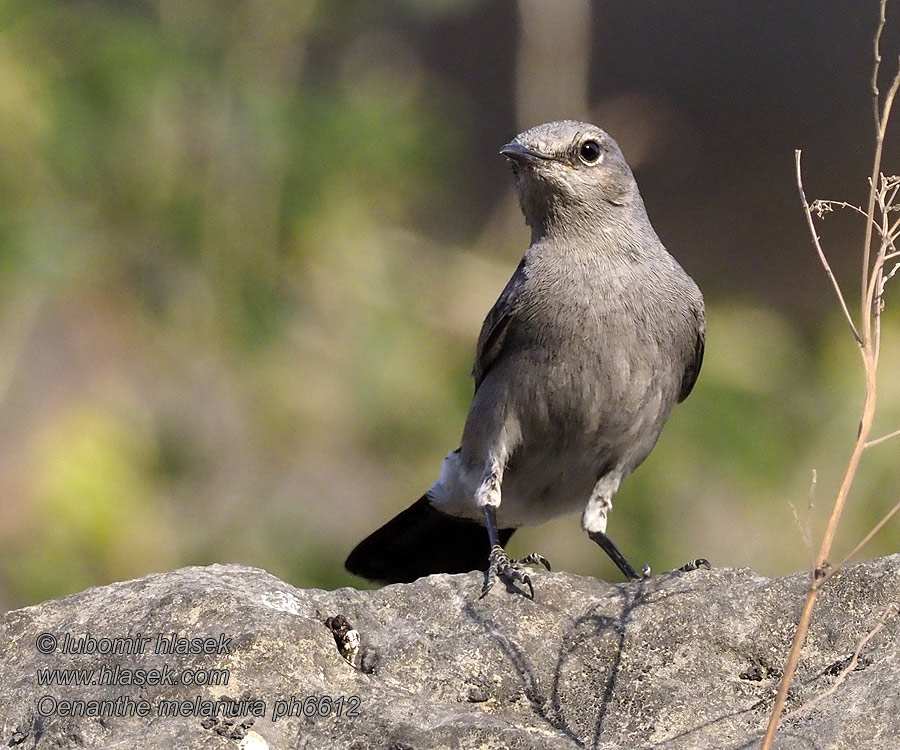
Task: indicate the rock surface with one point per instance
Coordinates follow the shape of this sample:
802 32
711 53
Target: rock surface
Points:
677 661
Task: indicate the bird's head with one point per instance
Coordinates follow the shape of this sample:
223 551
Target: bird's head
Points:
569 171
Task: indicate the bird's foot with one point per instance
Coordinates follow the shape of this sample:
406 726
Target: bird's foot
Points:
696 564
510 571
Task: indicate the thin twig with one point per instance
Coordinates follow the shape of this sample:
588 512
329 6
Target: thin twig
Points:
870 279
876 284
882 19
814 207
822 257
851 665
871 535
892 233
803 526
876 106
886 277
883 438
892 196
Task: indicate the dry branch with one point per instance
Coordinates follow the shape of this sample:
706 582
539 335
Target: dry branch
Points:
883 192
889 611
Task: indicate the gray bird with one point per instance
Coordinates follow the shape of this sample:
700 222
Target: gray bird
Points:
597 335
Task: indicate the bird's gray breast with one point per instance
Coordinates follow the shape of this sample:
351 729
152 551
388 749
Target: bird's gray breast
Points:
593 378
593 354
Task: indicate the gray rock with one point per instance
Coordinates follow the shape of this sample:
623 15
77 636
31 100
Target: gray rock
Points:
677 661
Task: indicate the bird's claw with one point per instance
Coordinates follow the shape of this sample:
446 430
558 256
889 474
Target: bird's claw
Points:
510 571
533 559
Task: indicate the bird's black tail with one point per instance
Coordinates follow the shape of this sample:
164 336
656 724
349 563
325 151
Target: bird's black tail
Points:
419 541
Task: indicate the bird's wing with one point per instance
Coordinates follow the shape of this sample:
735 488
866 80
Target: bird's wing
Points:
693 365
496 325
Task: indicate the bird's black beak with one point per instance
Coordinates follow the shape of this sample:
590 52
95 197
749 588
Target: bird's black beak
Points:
522 154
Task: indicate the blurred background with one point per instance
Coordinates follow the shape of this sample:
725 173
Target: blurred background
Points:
246 248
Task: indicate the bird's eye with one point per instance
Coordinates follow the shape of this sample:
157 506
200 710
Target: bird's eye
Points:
589 152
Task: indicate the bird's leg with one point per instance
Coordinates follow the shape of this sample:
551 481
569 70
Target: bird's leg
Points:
488 498
606 544
488 495
593 521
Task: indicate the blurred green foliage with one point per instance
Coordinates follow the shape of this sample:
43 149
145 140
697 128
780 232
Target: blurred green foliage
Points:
230 329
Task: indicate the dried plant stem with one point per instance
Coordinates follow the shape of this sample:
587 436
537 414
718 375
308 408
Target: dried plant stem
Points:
894 227
870 280
888 612
865 428
868 537
820 573
883 438
822 256
879 137
882 192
